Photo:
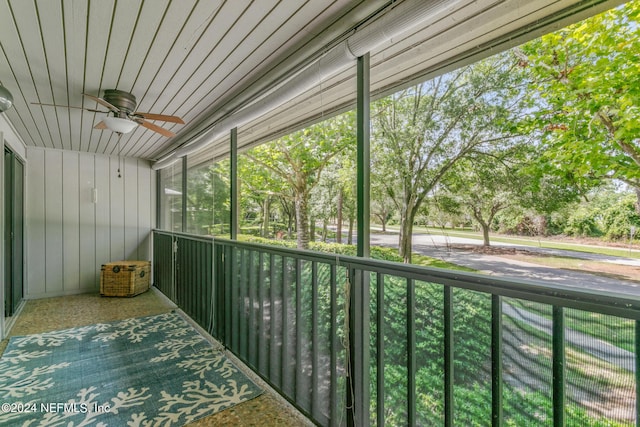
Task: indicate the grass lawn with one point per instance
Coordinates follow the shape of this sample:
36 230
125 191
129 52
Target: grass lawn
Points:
616 331
603 269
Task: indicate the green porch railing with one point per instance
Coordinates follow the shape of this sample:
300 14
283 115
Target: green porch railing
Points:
446 347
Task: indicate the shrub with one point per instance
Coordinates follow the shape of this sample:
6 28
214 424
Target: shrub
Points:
582 223
618 218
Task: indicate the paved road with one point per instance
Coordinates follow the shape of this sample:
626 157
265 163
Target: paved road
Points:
438 246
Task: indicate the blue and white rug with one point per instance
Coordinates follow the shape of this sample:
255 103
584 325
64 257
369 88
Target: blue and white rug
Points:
155 370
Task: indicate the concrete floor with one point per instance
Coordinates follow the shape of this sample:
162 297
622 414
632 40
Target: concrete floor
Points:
51 314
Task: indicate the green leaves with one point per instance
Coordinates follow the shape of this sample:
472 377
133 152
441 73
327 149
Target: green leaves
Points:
295 162
421 133
585 77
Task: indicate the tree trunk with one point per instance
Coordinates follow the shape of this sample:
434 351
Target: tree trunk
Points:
638 201
406 241
485 234
350 235
266 214
385 215
339 220
312 229
302 220
407 217
325 230
485 225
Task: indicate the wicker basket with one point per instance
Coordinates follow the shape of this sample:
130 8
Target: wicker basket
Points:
124 278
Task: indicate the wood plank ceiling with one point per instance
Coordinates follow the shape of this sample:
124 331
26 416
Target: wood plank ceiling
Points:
201 60
183 58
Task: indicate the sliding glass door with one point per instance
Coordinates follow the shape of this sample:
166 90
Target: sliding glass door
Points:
13 231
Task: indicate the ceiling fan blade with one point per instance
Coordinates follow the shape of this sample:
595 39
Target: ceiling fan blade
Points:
101 125
162 117
69 106
156 128
102 102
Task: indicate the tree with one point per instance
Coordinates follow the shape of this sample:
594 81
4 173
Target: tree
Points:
287 204
382 202
619 220
505 190
609 213
261 186
346 200
299 158
324 198
207 198
421 132
481 186
586 82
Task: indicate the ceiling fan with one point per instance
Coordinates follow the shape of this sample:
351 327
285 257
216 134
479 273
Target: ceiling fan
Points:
122 117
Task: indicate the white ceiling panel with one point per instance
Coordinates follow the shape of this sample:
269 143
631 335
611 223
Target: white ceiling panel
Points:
187 58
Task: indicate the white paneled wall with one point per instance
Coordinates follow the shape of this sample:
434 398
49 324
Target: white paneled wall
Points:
80 215
2 254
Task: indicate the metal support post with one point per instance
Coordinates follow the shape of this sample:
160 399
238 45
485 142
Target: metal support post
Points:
233 221
359 328
184 194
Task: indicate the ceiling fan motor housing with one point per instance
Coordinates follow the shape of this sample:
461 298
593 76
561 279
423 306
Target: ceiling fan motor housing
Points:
123 100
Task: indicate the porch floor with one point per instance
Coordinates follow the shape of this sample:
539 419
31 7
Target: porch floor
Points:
51 314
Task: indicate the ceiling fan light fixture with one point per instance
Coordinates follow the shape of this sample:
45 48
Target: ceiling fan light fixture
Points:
6 99
119 125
